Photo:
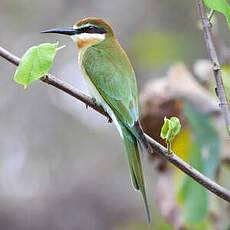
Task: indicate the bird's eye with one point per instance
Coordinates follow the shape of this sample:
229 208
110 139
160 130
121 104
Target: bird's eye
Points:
90 28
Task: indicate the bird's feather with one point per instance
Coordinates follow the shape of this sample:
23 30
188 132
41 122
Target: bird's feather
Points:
113 76
135 165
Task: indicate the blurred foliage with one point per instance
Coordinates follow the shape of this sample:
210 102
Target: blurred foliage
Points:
163 225
149 50
157 224
219 5
192 195
223 210
206 137
182 144
200 150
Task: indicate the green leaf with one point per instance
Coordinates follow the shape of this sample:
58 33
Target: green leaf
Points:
174 126
35 63
195 196
219 5
207 137
165 128
170 128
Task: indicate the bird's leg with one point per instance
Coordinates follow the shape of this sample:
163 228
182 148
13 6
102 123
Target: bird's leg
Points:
94 102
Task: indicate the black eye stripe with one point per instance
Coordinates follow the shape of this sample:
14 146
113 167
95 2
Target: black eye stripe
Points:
91 30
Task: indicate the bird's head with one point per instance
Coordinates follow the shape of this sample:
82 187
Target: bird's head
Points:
86 32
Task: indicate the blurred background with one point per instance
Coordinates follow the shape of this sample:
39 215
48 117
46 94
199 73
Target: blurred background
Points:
63 166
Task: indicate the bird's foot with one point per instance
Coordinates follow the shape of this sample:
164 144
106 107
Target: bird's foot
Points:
110 120
94 100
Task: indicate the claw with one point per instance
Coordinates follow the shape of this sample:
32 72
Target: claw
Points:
216 91
94 100
110 120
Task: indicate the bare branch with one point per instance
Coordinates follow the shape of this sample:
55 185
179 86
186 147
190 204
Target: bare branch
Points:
220 91
157 148
9 56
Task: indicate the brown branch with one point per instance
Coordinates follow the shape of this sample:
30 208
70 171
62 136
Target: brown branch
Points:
89 101
220 91
157 148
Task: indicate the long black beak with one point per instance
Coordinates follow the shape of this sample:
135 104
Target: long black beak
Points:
66 31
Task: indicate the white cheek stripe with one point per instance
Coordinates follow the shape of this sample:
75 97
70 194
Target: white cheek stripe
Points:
86 36
74 27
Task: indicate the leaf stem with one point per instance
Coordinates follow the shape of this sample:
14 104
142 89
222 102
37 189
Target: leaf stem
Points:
210 15
169 147
60 47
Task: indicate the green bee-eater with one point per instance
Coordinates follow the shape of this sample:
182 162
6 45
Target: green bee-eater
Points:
112 82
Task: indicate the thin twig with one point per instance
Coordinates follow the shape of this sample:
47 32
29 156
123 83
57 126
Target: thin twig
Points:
157 148
215 65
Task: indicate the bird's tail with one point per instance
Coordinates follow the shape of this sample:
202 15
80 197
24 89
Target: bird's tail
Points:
135 165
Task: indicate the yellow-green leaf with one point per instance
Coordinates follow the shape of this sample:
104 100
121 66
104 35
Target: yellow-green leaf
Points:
165 128
35 63
219 5
170 128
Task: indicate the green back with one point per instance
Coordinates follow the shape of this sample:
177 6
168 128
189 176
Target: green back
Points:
109 69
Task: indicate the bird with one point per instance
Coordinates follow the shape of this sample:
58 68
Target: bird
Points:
111 81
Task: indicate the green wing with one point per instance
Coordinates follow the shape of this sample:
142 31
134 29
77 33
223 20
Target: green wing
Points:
109 69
